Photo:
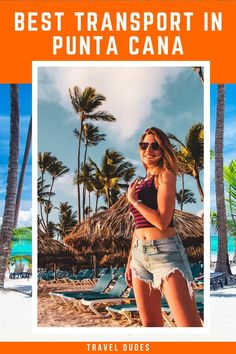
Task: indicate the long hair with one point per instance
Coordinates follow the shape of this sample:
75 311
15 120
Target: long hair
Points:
168 160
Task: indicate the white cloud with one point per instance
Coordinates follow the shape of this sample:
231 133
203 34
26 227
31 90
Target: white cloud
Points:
135 88
65 186
25 218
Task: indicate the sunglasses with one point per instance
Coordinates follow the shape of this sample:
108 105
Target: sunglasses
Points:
154 146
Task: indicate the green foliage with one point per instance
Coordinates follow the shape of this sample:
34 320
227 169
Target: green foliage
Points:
15 259
230 178
22 233
112 175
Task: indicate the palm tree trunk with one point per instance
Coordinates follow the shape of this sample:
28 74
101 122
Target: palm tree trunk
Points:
182 194
108 198
89 195
199 187
222 263
96 203
78 168
84 184
49 200
10 200
41 208
22 174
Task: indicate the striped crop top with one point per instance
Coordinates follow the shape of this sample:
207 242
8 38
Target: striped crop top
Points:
146 193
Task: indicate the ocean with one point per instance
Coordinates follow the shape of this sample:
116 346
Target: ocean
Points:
231 246
24 247
21 248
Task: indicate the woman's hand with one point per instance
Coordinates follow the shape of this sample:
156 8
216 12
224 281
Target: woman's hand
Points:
131 192
128 275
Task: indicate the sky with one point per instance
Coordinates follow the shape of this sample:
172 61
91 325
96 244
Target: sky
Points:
229 131
25 109
170 98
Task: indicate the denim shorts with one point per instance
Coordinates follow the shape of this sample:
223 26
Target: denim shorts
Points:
154 260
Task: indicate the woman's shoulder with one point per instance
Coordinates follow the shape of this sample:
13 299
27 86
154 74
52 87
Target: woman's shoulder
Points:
166 176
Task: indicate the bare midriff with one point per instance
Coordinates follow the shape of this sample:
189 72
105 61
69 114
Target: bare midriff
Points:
152 233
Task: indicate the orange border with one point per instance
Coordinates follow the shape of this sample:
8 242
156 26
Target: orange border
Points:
21 48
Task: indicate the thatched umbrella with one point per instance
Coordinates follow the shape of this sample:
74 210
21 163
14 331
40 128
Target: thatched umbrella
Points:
52 252
112 230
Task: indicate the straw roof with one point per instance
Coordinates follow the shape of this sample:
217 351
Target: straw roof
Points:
51 251
112 230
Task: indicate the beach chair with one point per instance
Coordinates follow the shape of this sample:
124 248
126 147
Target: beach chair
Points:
197 269
12 271
166 313
130 311
217 279
127 309
101 285
91 302
198 276
45 277
118 272
102 271
85 278
18 271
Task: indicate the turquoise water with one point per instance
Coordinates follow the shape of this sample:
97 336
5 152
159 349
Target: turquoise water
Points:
21 248
231 245
24 247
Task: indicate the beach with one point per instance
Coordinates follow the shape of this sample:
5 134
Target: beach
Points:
50 314
16 318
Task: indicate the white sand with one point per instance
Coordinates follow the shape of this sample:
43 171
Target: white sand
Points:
16 321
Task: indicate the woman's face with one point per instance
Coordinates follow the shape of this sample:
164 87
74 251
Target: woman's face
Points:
150 156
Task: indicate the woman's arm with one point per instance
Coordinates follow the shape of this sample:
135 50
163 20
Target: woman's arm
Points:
128 271
165 200
130 252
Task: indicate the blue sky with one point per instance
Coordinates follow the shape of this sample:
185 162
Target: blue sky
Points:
229 130
139 97
25 107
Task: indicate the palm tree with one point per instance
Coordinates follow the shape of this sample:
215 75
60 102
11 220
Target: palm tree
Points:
190 153
198 69
67 220
84 177
230 178
45 160
22 174
85 104
96 186
222 263
43 196
56 170
11 187
88 210
90 137
185 197
112 174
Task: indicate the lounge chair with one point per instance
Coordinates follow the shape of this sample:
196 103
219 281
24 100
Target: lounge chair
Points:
115 295
126 310
118 272
217 279
101 285
166 313
197 269
17 272
198 276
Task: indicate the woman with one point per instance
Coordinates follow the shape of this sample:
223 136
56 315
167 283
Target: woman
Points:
157 262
